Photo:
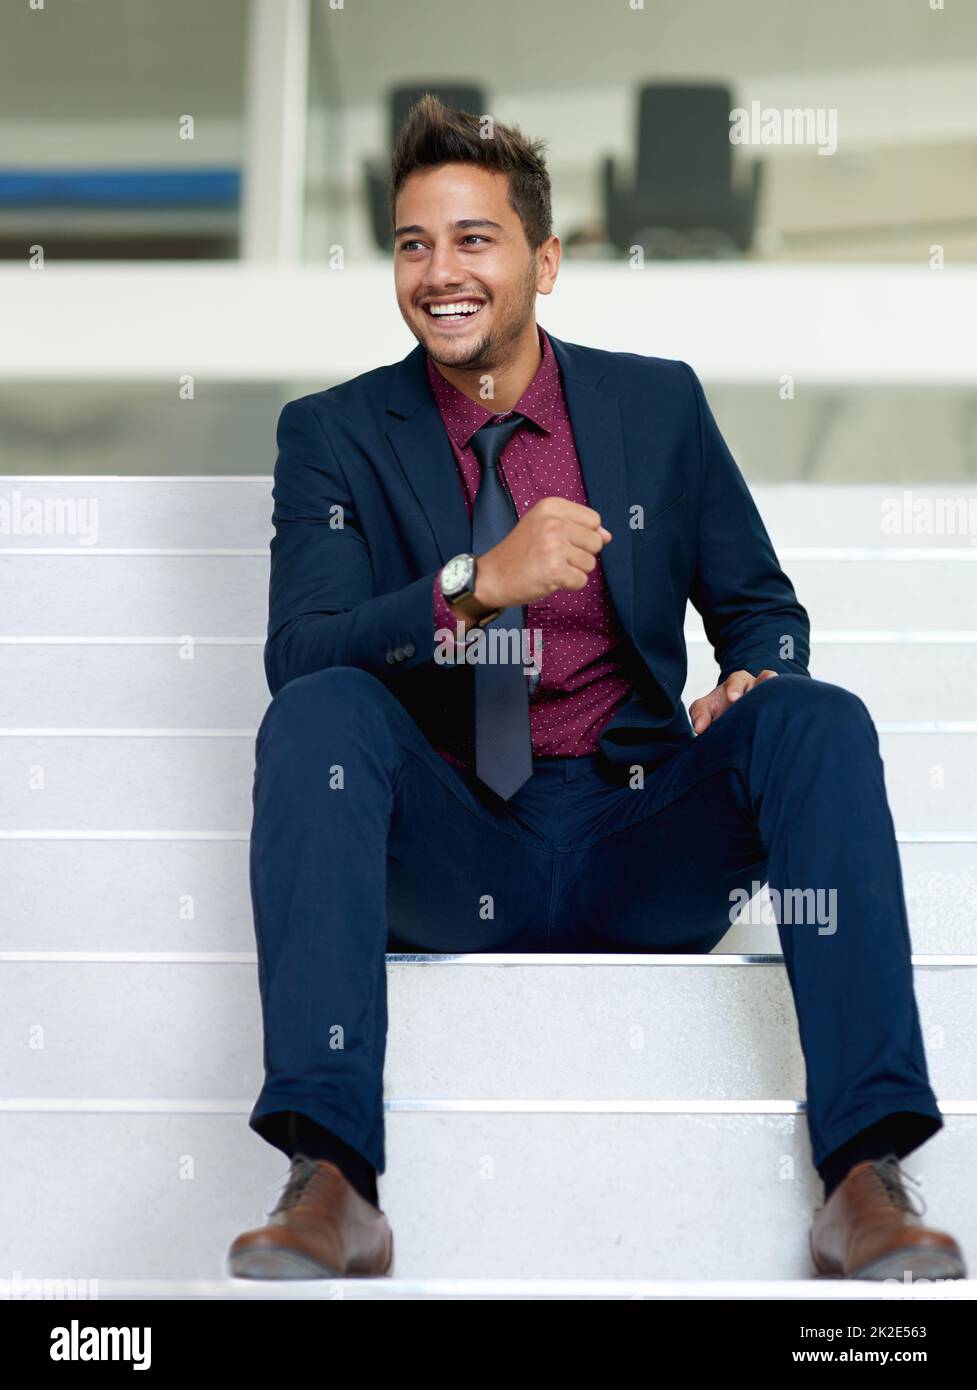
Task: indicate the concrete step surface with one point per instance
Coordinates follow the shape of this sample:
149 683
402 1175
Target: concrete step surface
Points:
226 596
205 685
470 1195
149 780
228 512
653 1028
176 897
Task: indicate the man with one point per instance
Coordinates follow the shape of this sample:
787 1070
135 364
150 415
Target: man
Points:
501 481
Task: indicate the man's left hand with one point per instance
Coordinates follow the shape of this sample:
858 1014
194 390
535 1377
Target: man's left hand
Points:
709 707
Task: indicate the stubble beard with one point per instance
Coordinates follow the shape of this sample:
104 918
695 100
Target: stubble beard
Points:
494 348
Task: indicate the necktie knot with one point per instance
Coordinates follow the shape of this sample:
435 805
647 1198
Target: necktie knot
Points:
489 441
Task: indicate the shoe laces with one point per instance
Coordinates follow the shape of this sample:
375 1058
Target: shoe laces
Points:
893 1178
302 1171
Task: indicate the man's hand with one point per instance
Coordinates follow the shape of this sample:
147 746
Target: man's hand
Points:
709 707
552 546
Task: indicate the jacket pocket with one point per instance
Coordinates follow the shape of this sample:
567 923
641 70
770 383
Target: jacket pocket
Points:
670 510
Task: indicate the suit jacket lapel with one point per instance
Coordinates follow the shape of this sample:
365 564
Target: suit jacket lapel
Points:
420 441
595 418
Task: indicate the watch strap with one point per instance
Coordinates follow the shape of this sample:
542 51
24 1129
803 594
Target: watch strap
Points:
469 605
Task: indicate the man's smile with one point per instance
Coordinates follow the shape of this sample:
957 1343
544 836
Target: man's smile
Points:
450 313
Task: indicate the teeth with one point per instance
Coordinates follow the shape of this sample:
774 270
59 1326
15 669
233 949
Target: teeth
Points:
465 307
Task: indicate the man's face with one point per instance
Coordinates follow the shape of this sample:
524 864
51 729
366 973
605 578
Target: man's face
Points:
485 261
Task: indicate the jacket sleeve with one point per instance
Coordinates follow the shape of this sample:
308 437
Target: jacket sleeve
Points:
444 620
750 612
322 606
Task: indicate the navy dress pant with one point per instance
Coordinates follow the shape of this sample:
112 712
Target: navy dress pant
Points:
365 840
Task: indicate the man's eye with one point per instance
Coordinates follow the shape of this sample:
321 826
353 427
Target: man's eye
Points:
472 236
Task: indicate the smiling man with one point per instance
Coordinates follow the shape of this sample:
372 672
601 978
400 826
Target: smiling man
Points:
503 478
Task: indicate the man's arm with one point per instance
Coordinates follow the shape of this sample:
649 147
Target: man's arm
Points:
750 612
322 610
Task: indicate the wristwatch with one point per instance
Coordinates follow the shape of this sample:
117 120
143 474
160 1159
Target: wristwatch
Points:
458 587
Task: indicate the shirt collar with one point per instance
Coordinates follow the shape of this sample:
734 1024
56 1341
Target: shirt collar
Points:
463 416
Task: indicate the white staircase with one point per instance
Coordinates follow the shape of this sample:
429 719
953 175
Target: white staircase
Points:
583 1126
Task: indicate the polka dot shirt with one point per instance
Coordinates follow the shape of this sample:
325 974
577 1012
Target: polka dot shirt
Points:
582 674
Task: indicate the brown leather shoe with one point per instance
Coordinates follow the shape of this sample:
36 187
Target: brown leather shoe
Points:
868 1229
320 1228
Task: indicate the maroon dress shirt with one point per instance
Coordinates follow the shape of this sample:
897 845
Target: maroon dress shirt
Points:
583 679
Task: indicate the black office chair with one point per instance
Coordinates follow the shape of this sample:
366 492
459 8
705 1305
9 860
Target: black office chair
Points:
377 171
684 200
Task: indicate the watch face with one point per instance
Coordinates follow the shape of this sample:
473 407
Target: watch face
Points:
456 574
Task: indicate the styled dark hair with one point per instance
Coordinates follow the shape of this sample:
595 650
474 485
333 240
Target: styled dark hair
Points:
433 134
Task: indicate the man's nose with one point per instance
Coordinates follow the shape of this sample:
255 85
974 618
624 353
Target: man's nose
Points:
444 267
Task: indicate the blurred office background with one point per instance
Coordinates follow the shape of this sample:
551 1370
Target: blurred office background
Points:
207 183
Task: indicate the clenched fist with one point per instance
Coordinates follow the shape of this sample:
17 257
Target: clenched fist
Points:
552 546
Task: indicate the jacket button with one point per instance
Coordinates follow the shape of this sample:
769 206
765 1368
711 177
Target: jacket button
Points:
398 653
391 658
409 649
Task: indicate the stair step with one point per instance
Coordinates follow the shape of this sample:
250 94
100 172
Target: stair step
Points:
648 1028
171 895
64 685
227 596
153 782
226 512
518 1290
469 1196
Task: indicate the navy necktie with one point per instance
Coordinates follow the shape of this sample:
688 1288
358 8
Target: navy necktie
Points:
503 744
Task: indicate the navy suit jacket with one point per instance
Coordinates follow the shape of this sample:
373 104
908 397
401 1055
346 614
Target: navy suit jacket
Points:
368 507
